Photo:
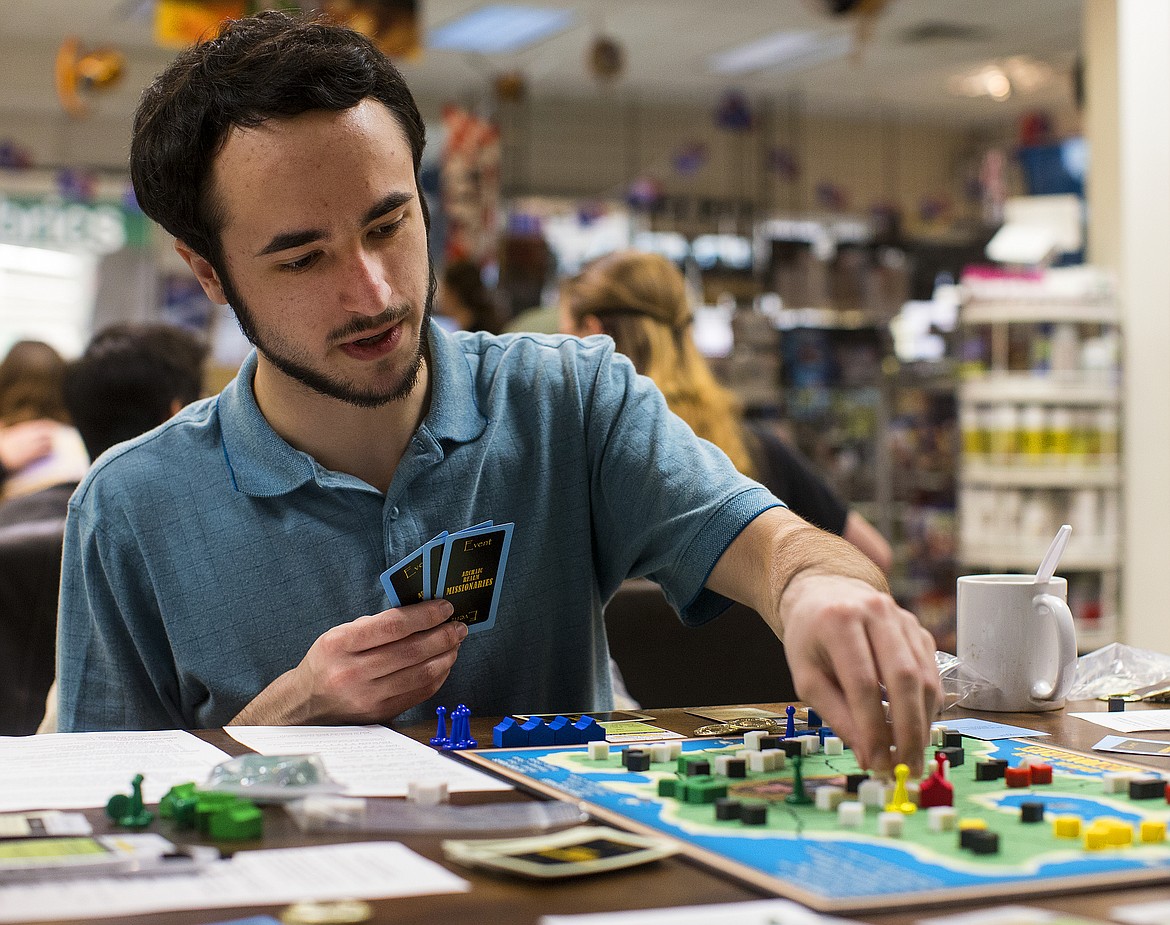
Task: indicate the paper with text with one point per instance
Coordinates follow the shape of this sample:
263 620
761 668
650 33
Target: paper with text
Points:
368 870
371 761
76 770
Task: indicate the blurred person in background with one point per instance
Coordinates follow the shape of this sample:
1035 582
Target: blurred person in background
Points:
38 447
463 299
641 301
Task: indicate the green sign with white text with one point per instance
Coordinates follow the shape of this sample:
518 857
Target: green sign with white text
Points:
92 228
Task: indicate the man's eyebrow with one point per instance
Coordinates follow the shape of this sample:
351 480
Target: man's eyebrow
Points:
387 203
289 239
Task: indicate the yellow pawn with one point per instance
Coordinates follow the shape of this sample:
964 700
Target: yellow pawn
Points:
900 801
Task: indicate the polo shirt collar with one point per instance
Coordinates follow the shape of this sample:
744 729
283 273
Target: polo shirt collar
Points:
262 464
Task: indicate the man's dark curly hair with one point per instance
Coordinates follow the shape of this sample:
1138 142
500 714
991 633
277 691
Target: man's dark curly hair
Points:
267 66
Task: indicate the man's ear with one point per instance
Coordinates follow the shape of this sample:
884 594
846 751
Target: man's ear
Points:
204 272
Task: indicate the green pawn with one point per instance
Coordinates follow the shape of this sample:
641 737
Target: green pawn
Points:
129 811
798 797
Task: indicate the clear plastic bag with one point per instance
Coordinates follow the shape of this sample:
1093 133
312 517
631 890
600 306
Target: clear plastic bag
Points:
1117 670
273 778
958 680
347 814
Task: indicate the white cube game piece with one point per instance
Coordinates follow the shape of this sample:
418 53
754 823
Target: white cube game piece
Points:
941 818
720 766
890 824
829 798
871 792
834 746
674 747
660 753
773 759
937 736
756 762
427 793
598 751
809 745
1116 781
850 814
751 739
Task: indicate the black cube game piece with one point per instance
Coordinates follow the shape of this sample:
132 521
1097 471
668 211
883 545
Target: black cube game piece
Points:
753 813
695 768
629 753
983 842
726 808
1147 788
792 748
954 756
1031 812
1116 704
989 770
952 739
638 761
853 781
770 742
736 767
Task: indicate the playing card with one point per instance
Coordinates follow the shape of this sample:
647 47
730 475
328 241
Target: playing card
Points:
472 573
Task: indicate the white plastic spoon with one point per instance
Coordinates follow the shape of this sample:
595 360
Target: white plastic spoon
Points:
1052 557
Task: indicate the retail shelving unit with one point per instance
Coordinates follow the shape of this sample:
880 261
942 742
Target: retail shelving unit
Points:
1039 406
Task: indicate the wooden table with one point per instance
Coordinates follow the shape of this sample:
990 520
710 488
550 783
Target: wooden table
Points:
673 882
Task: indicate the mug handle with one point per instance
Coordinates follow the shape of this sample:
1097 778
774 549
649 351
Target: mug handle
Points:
1066 640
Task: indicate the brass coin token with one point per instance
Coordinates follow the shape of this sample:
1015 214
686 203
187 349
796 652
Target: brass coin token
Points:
327 913
757 722
718 729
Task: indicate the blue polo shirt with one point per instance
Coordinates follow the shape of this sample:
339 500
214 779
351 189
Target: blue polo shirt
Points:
203 558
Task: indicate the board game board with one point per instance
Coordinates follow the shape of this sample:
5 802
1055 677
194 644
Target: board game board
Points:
802 852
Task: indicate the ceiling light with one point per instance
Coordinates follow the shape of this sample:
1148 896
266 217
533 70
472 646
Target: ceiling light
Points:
784 51
999 80
500 28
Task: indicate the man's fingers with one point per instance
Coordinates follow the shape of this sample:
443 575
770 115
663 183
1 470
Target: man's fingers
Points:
379 629
847 693
911 682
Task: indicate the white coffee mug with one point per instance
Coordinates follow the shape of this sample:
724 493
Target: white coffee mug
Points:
1017 641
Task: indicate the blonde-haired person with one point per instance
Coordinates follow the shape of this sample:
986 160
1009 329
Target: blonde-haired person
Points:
641 301
38 446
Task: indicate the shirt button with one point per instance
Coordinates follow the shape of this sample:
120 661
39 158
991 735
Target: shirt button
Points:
394 512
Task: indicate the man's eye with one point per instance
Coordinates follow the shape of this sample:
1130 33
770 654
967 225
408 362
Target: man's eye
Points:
388 228
301 263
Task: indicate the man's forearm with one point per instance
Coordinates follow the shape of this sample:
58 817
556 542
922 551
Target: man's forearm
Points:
761 563
276 705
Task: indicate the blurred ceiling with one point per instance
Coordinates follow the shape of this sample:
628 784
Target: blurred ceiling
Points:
915 48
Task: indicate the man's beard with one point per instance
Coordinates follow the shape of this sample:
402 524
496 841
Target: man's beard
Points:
297 368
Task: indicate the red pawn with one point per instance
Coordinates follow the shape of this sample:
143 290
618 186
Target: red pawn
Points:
936 790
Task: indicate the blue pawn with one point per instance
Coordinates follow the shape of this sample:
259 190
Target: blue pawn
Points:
790 729
463 739
440 739
456 729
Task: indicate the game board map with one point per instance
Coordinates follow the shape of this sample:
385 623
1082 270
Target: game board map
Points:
802 853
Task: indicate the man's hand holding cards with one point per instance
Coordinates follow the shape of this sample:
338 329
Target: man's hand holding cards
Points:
465 568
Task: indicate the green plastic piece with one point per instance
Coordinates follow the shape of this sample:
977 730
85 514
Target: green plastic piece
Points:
237 823
798 797
179 804
668 786
704 789
685 761
128 811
